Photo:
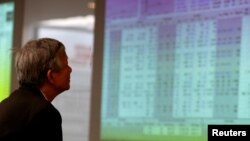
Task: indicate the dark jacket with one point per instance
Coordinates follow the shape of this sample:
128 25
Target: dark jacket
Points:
27 116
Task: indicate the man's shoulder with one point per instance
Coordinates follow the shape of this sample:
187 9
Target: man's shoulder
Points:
23 99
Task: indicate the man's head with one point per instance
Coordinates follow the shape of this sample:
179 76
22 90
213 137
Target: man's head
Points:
43 61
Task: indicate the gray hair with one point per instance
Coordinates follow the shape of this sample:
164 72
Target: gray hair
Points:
33 61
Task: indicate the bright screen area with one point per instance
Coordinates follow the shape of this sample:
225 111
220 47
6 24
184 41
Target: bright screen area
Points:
6 34
171 67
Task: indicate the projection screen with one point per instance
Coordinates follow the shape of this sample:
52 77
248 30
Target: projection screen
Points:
6 39
171 67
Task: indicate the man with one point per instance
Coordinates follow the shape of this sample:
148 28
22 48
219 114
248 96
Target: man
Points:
43 73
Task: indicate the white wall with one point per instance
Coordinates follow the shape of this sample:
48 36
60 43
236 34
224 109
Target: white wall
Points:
39 10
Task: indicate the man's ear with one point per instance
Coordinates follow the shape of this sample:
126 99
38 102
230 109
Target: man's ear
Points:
50 76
